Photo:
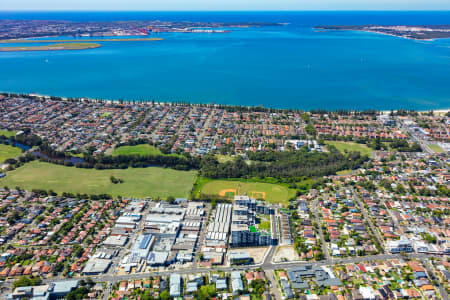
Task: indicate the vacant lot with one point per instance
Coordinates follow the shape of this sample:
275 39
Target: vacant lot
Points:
272 193
285 253
137 182
7 151
350 146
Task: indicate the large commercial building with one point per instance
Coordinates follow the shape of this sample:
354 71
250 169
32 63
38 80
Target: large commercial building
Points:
96 266
142 246
164 217
54 290
402 245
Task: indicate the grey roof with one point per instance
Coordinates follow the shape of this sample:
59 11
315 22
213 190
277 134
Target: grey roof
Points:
221 284
191 286
66 286
44 297
446 274
320 275
239 255
25 289
96 265
157 258
142 245
286 288
174 277
236 281
175 284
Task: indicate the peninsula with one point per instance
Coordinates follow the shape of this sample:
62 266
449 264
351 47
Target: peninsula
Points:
26 41
415 32
53 47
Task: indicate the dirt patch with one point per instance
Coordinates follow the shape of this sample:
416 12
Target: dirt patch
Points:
258 195
227 192
285 253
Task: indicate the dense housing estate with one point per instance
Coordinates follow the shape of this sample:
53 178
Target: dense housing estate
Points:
196 129
377 231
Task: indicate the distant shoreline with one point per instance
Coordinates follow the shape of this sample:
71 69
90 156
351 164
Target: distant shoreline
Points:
411 32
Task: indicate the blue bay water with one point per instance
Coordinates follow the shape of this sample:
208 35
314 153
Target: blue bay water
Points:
291 66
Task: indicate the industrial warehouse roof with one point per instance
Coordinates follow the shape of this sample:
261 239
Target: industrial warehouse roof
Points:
157 258
96 266
64 287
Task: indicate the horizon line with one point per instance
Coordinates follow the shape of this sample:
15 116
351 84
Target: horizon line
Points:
230 10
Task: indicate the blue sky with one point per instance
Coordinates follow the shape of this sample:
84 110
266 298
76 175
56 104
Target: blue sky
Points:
224 5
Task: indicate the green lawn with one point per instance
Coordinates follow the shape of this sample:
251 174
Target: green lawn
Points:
350 146
344 172
143 149
7 151
105 114
272 193
138 182
224 158
436 148
264 225
8 133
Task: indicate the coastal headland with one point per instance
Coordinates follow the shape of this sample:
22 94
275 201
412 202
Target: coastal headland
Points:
414 32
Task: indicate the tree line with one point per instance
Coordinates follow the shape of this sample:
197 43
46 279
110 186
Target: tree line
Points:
283 165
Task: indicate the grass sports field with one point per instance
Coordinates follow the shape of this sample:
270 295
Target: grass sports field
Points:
143 149
8 133
436 148
350 146
140 182
272 193
7 151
